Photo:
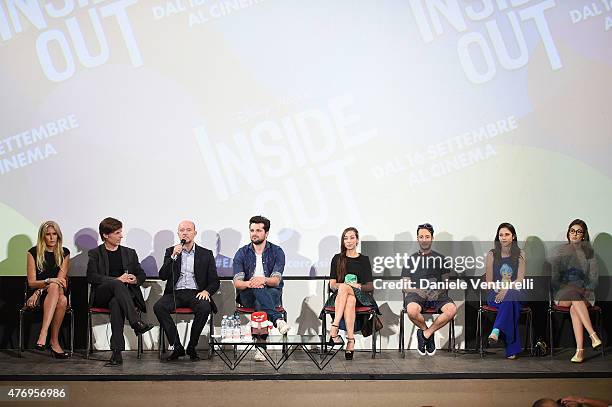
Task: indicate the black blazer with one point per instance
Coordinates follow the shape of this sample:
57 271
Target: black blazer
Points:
204 269
97 272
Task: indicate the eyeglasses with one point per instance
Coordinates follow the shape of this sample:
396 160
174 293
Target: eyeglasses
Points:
576 232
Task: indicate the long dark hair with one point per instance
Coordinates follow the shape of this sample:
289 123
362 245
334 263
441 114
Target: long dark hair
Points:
341 266
586 240
515 251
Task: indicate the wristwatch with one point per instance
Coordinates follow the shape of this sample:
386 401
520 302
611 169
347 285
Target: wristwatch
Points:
46 281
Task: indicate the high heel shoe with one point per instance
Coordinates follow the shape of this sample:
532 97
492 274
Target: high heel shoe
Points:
59 355
332 338
40 347
348 355
595 341
579 356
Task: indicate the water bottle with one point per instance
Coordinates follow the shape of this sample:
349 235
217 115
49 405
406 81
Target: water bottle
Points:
236 328
224 327
230 330
247 332
232 327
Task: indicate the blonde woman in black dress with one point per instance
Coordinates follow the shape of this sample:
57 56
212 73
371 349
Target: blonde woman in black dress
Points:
47 266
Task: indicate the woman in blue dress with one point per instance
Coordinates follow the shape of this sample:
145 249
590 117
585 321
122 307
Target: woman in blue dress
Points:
506 263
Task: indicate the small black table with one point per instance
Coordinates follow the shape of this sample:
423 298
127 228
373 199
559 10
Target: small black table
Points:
289 343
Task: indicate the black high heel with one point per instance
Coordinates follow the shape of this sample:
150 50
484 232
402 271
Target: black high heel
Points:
348 355
332 340
59 355
40 347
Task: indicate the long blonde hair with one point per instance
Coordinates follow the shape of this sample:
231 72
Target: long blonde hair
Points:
41 245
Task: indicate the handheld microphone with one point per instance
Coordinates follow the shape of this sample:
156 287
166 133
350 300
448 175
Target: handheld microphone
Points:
183 241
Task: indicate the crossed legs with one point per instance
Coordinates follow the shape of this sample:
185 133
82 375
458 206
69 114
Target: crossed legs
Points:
413 309
580 320
54 309
345 308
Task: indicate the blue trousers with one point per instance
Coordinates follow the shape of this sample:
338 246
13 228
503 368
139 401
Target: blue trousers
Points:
507 319
263 299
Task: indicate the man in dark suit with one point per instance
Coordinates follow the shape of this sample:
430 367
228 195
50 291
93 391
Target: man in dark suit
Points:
115 276
192 281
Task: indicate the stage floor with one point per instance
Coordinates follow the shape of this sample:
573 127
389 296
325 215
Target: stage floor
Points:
389 365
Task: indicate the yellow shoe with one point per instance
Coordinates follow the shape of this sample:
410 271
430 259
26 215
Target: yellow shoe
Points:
579 356
595 341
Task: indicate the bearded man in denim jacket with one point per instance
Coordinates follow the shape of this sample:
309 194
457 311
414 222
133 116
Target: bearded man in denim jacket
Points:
258 273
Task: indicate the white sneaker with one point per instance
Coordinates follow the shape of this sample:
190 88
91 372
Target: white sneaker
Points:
282 326
259 357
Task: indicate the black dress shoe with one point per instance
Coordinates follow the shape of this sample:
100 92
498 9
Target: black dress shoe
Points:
193 354
176 353
140 327
348 355
59 355
116 359
40 347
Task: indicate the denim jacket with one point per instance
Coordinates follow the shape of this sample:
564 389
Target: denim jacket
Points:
273 260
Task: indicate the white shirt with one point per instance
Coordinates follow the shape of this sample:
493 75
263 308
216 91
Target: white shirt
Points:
259 271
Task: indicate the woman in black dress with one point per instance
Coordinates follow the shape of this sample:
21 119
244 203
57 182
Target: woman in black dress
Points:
48 263
352 283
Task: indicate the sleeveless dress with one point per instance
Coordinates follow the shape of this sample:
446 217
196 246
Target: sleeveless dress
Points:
49 270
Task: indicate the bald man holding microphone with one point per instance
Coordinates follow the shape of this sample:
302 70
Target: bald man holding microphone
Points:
192 280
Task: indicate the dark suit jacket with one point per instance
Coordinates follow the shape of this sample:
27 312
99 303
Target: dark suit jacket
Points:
204 269
97 272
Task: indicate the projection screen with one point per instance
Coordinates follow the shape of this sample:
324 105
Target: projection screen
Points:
317 114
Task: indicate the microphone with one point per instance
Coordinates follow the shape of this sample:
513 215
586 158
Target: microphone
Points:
173 257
